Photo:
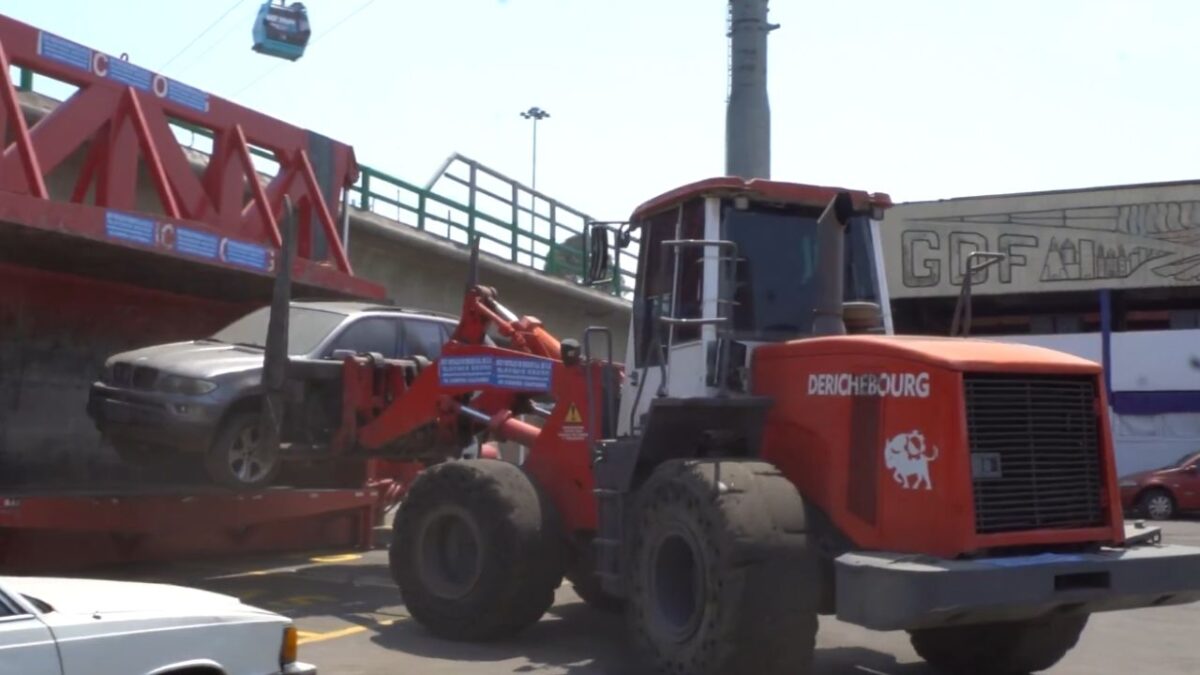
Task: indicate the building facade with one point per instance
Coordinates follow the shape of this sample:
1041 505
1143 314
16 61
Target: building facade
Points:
1111 274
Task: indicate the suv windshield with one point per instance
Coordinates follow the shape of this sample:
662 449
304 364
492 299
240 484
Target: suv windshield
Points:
306 329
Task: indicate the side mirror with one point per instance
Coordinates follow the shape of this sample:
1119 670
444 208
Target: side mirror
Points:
977 261
599 260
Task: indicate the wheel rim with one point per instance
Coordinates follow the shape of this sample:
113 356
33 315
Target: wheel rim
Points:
676 586
1159 506
449 553
249 461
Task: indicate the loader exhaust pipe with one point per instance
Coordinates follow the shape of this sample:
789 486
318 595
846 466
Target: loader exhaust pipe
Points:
831 237
275 357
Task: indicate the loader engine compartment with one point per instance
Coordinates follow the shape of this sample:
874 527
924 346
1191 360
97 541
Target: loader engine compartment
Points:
1002 445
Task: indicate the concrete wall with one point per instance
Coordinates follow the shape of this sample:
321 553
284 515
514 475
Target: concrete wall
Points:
1128 237
429 272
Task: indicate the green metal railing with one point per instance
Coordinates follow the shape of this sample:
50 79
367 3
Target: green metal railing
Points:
513 222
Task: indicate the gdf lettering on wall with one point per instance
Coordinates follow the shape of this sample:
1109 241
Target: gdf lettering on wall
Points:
886 385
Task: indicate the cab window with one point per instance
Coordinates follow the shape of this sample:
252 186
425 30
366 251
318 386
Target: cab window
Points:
656 279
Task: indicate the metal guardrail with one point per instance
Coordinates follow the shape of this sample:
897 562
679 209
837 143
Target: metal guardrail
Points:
465 199
514 222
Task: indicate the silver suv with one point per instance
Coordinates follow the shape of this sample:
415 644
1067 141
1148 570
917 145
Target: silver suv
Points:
204 396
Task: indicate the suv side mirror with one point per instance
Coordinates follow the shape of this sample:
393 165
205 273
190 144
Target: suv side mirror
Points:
598 255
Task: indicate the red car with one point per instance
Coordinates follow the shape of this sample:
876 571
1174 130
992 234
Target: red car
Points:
1161 493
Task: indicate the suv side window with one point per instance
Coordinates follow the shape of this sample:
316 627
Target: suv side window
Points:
424 338
373 334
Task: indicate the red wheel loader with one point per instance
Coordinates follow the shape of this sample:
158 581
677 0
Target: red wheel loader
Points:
768 452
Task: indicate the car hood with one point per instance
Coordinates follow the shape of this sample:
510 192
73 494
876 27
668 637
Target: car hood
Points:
195 359
89 596
1139 476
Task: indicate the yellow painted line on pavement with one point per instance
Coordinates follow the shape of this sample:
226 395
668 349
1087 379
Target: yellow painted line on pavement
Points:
305 637
343 557
306 600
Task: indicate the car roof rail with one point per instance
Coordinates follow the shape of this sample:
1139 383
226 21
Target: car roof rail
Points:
408 310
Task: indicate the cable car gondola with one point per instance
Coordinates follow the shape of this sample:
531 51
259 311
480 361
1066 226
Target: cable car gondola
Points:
281 30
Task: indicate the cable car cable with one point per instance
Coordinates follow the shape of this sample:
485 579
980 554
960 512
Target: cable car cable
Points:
202 34
199 58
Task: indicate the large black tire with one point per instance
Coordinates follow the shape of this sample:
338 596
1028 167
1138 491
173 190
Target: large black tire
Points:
1014 648
721 577
236 458
475 551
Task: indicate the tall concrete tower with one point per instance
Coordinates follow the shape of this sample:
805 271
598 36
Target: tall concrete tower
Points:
748 113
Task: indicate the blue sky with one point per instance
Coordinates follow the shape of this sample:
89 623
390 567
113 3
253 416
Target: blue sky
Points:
921 99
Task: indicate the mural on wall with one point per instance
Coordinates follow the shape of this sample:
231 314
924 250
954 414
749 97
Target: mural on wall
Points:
1077 259
1140 244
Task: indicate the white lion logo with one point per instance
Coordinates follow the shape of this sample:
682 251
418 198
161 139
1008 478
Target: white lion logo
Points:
907 458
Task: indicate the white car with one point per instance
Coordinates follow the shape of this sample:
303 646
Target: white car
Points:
52 626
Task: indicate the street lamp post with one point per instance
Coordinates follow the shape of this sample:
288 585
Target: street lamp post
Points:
535 114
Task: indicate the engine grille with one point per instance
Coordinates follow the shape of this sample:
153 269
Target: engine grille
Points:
122 374
1035 452
136 377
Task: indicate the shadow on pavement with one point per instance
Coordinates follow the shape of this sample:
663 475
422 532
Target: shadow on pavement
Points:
576 639
572 638
862 661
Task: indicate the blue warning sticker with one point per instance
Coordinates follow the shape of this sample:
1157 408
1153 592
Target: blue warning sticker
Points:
504 372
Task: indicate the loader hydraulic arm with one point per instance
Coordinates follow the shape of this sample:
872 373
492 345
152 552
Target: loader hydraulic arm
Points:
481 309
403 411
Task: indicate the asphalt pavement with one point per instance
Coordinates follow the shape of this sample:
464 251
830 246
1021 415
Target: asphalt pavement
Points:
352 622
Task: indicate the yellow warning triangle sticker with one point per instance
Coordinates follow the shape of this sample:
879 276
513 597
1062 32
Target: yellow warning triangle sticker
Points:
573 416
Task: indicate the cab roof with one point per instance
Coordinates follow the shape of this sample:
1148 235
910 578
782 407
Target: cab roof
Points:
758 189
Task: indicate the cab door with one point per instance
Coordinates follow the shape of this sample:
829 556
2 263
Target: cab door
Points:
26 644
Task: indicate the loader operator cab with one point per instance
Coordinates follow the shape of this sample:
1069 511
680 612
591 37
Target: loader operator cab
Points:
728 264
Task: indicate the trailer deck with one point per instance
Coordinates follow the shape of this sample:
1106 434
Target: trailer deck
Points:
70 531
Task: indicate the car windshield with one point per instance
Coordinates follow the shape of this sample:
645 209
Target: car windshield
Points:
1187 459
306 329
